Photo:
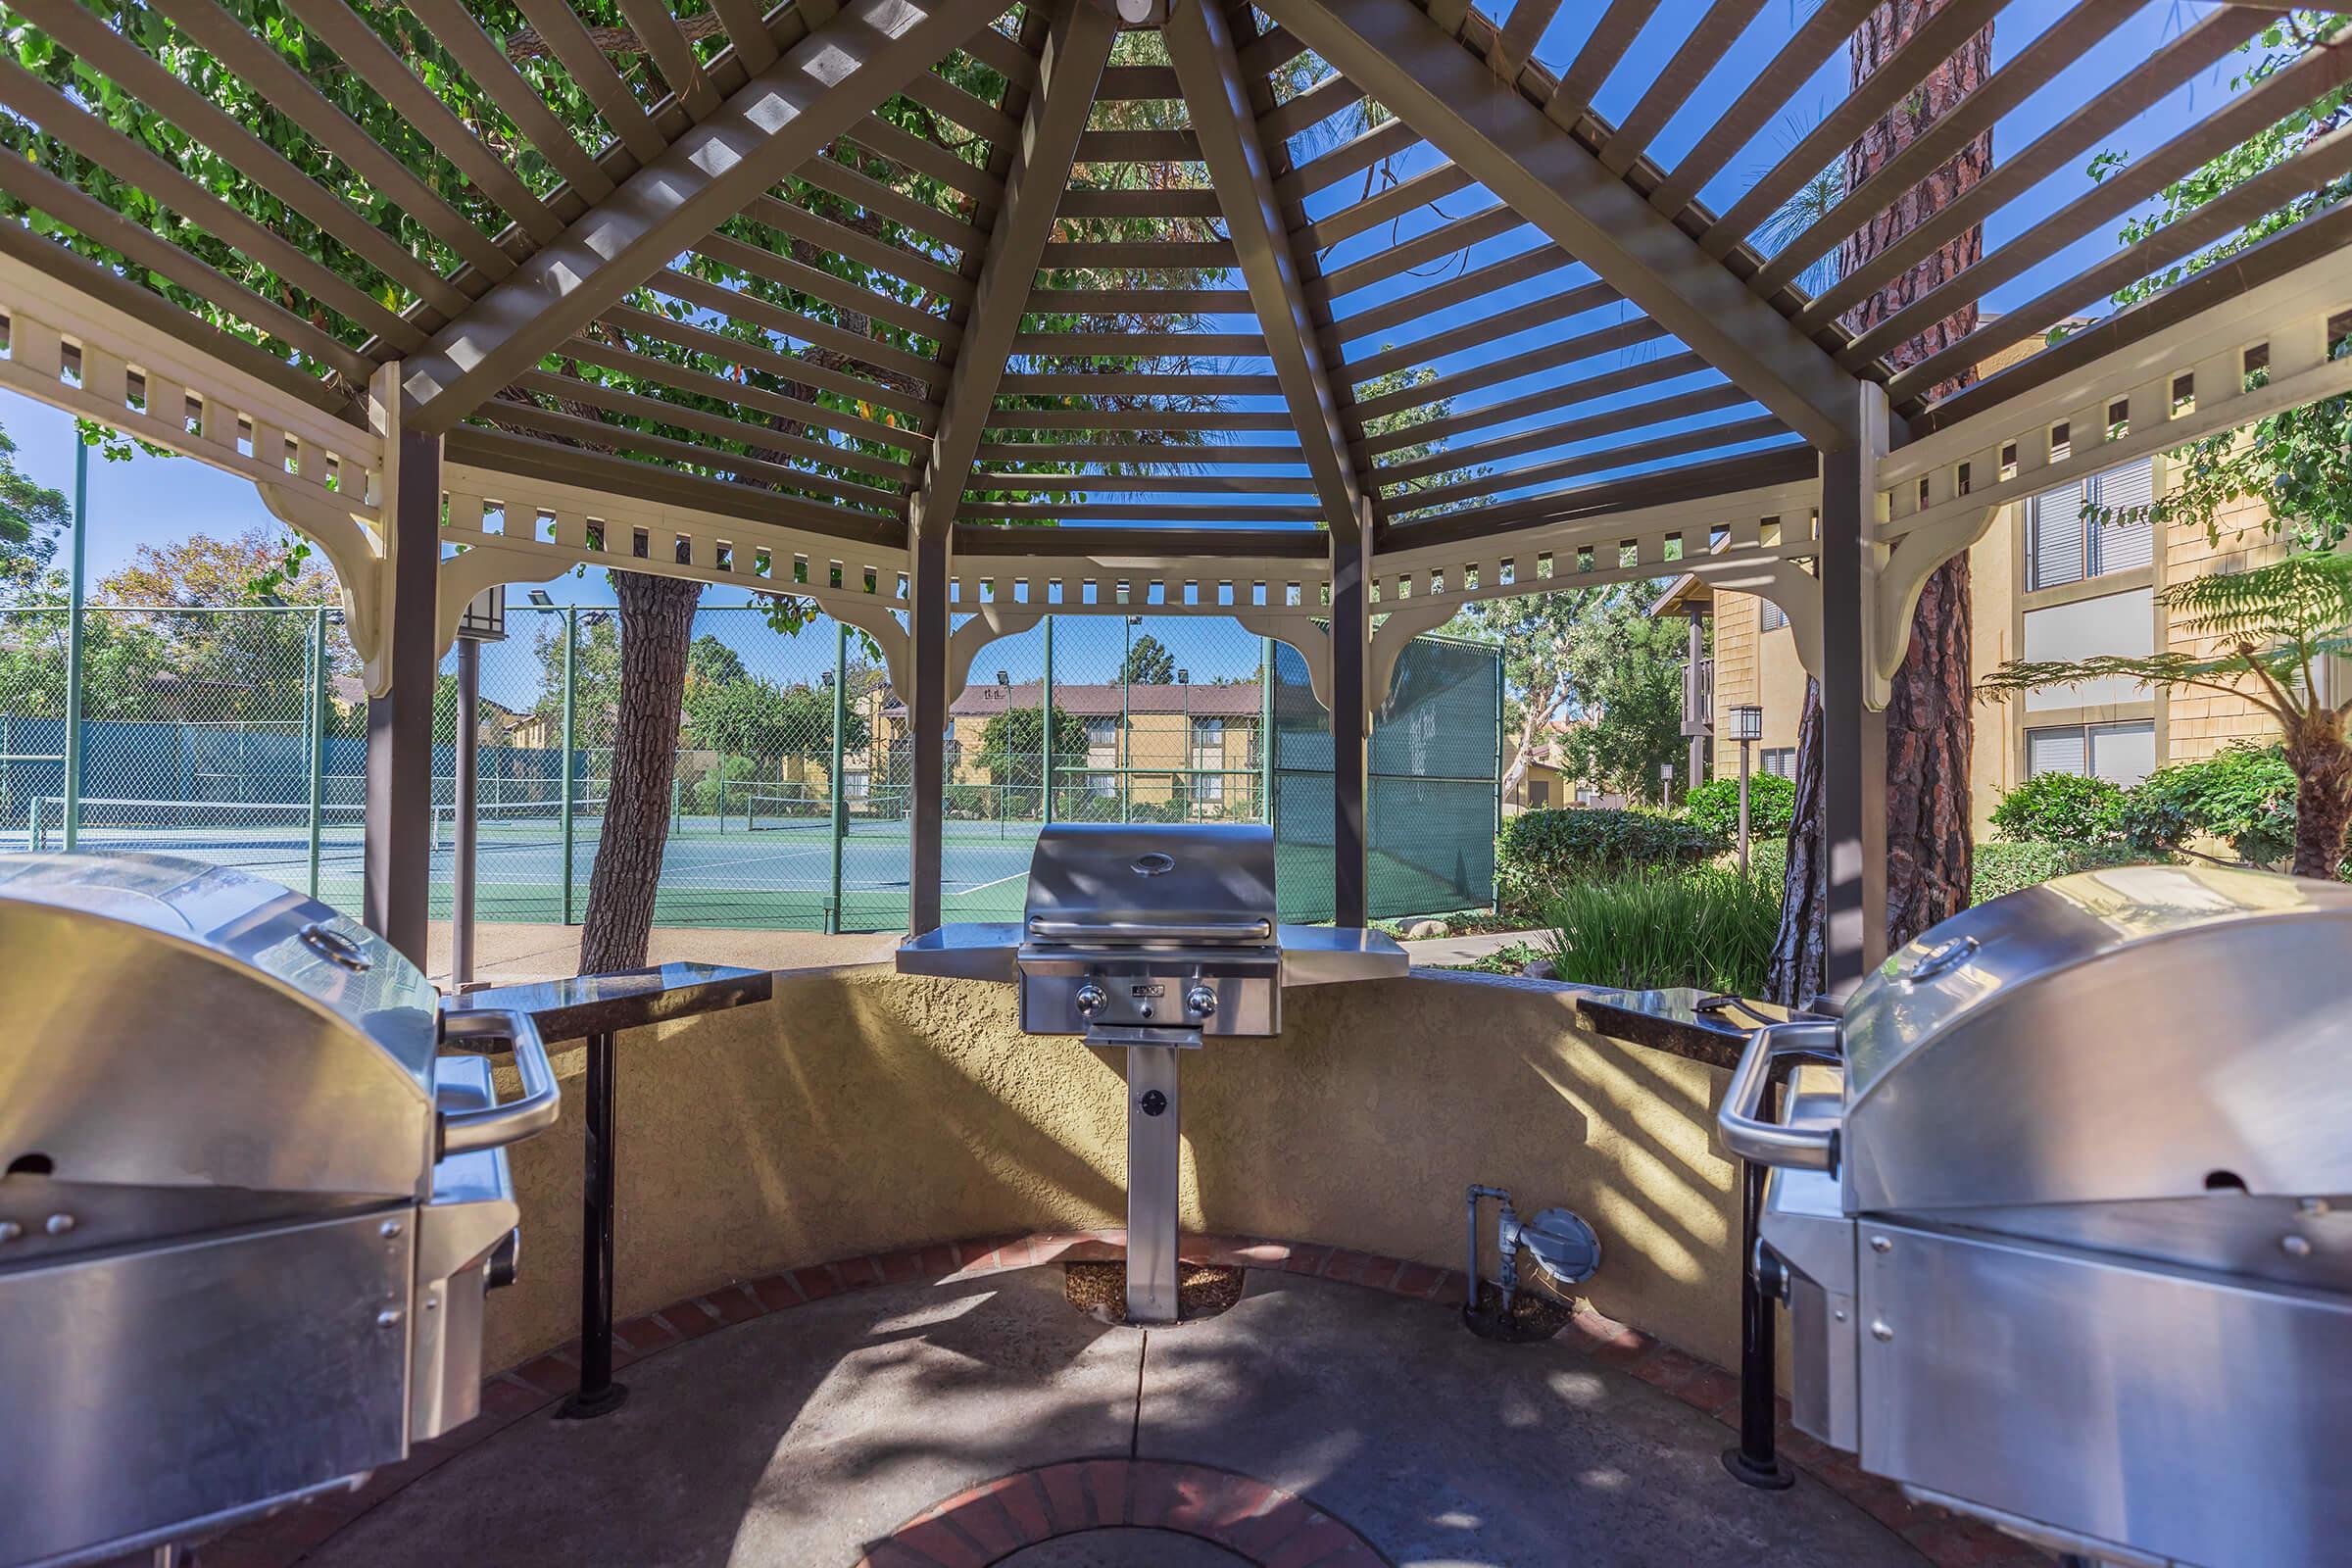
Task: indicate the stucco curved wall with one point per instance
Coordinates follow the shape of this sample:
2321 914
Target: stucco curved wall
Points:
862 1112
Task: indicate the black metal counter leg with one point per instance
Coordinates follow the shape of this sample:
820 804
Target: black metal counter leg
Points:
1756 1460
598 1394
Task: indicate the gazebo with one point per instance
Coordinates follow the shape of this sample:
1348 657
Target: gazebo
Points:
1327 317
438 423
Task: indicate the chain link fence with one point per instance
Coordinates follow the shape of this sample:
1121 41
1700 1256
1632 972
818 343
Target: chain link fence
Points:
239 737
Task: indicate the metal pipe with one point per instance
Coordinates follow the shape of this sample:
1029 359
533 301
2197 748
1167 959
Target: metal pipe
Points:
1265 732
1743 746
1755 1459
571 663
317 729
464 790
1045 698
75 610
837 799
1127 722
1470 1262
598 1394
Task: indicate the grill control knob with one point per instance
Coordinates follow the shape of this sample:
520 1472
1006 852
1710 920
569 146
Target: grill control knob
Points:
1090 999
1200 1001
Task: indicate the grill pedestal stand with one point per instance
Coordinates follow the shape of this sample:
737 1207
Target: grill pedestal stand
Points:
1155 1148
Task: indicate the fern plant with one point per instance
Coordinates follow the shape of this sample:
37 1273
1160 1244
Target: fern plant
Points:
2272 626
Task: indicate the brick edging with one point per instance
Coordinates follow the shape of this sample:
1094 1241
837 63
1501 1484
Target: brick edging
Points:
1944 1540
990 1522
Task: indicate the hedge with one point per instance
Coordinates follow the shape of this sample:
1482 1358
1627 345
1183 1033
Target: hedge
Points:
1715 806
1539 853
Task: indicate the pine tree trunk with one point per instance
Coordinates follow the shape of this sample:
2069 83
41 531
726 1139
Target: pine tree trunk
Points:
657 628
1929 727
2323 765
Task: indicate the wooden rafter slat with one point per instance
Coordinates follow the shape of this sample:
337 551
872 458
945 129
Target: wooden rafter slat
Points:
830 237
665 43
1616 421
768 362
1139 384
140 73
1214 512
1137 454
1689 482
1137 419
595 434
1533 508
755 47
1005 57
959 107
2060 45
1142 345
817 283
1391 260
747 394
744 306
1511 368
1384 140
133 164
1333 96
1942 35
2319 163
456 31
1668 90
1081 201
372 60
1475 284
1127 85
1386 207
2205 44
1454 458
1478 333
1140 301
898 146
1543 400
567 39
292 94
836 178
1140 254
1823 34
1238 484
1138 147
1269 52
1604 47
647 409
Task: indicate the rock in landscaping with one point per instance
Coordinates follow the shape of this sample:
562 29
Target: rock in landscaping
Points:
1423 930
1539 969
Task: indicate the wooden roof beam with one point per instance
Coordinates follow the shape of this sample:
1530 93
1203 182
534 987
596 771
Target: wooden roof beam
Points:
818 91
1449 97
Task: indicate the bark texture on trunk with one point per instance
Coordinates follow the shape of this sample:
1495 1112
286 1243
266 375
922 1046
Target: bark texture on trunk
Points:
1929 724
657 628
1799 952
2322 764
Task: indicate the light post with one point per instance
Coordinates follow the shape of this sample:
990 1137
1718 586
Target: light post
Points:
1665 786
1747 727
484 621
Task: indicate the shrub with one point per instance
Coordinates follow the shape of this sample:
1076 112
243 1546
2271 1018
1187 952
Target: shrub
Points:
2245 795
1703 926
2060 808
1539 853
1715 806
2005 867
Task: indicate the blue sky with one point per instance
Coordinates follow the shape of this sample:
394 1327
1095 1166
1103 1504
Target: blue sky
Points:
150 501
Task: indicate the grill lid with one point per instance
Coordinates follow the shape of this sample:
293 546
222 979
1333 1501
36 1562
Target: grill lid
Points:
1157 885
180 1025
2145 1032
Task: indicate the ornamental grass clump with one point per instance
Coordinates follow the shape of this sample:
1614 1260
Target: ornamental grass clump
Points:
1706 926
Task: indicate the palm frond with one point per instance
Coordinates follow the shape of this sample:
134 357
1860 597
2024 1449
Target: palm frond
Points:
2301 598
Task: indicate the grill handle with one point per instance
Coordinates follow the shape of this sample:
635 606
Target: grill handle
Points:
1052 930
496 1126
1744 1130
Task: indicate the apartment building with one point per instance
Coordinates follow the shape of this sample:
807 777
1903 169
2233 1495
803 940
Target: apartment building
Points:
2043 585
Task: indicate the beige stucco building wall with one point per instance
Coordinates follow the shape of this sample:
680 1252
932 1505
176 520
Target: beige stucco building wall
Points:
862 1112
2104 612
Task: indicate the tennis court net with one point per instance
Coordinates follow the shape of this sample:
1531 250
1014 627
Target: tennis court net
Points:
196 826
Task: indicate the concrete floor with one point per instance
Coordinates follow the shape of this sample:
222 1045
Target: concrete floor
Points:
800 1437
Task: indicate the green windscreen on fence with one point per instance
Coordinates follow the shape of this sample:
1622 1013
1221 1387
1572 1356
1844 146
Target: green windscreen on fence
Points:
238 736
1435 756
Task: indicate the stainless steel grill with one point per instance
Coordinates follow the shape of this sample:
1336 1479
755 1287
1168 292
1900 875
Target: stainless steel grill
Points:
1155 939
2062 1213
248 1211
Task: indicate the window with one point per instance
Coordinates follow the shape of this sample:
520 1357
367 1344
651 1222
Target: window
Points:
1781 759
1102 733
2061 548
856 784
1773 619
1539 792
2122 754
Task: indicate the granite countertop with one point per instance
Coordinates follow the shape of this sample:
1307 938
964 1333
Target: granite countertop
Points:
600 1004
1671 1021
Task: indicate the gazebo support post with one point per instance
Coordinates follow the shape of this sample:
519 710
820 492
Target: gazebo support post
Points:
927 728
399 838
1350 723
1853 727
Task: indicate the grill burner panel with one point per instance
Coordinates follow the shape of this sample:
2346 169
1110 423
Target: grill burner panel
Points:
1152 939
